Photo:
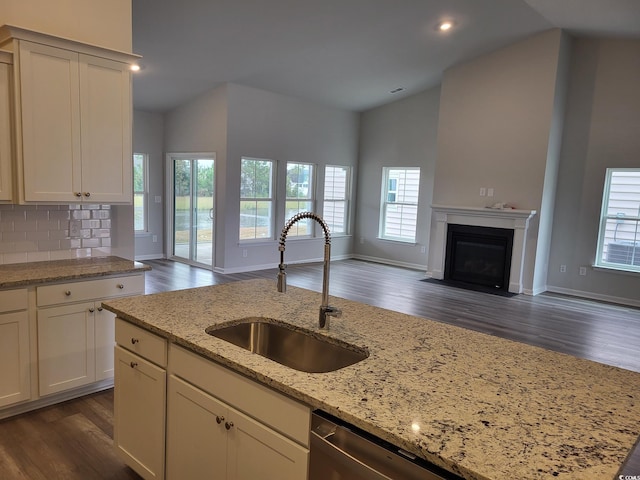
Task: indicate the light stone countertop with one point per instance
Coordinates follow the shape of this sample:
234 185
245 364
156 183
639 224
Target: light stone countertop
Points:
24 274
477 405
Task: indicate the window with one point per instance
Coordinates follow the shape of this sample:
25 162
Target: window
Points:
300 191
619 237
399 205
336 198
140 192
256 199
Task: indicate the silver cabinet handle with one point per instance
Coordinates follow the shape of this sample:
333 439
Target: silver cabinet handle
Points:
120 286
67 293
78 194
134 341
87 194
133 364
219 419
228 425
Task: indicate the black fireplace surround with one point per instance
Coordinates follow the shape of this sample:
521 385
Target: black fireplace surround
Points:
478 257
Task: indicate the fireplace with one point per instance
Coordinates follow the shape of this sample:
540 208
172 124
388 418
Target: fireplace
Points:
511 219
478 257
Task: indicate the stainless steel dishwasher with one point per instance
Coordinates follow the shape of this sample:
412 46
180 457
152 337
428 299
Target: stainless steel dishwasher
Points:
340 451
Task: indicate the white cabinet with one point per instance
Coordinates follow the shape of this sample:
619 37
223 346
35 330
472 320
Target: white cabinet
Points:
6 160
14 347
73 120
140 400
255 433
75 334
207 438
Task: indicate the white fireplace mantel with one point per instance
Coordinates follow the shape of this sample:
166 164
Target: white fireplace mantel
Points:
517 220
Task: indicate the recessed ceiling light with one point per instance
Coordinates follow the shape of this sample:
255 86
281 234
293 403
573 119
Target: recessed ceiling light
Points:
396 90
444 26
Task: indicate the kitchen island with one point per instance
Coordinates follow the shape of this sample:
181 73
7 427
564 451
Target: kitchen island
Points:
476 405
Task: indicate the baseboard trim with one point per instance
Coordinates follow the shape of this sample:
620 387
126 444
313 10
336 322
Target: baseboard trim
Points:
594 296
267 266
152 256
29 405
386 261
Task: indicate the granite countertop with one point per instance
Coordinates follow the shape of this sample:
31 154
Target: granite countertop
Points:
480 406
24 274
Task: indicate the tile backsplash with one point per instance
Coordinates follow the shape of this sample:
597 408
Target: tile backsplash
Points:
31 233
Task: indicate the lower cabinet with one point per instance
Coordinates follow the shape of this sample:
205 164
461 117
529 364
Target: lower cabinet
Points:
207 438
140 400
139 414
75 334
14 347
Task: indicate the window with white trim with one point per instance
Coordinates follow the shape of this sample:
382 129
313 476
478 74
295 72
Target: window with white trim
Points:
140 192
619 235
399 203
300 196
256 198
335 210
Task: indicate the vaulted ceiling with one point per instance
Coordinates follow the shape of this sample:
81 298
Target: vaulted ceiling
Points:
348 54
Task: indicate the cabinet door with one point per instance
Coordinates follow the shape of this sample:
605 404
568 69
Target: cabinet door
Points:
66 357
49 108
256 451
14 358
105 112
6 191
139 414
196 442
105 342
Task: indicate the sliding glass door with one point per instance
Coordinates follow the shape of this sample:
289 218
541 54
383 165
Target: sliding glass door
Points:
193 208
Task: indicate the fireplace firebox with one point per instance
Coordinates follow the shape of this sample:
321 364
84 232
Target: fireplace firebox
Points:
478 257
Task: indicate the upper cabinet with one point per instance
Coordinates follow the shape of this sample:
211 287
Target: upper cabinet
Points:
6 191
73 120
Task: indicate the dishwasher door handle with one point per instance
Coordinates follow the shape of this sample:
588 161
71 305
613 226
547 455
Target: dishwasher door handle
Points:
345 459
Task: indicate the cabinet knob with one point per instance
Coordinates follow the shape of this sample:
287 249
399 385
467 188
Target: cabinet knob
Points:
99 309
91 310
87 194
133 364
134 341
67 293
219 419
78 194
120 286
228 425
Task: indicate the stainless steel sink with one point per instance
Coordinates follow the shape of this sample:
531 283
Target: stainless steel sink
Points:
294 348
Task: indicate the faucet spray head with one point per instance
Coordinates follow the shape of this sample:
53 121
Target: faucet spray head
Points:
282 279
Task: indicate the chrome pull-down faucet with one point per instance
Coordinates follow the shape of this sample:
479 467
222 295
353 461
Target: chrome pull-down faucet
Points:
325 309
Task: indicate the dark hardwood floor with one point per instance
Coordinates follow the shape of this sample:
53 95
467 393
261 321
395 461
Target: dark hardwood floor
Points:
74 440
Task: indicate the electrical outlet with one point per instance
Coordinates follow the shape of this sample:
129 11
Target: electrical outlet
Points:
423 249
489 192
361 240
563 269
244 253
154 238
158 199
583 271
483 191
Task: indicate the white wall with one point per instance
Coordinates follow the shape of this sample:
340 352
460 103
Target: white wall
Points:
496 122
602 129
104 23
402 133
235 121
148 131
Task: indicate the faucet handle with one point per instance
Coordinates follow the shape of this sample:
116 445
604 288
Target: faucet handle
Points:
333 312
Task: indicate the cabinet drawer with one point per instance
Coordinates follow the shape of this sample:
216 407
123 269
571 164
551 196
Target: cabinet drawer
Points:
142 342
12 300
274 409
85 290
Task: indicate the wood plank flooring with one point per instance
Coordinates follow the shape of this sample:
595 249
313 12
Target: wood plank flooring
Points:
73 440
